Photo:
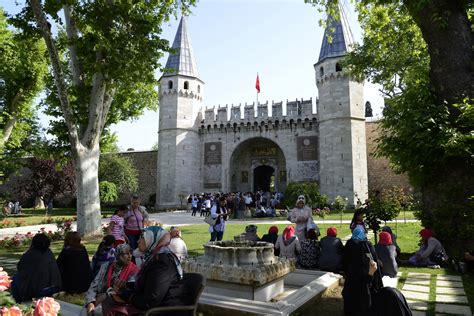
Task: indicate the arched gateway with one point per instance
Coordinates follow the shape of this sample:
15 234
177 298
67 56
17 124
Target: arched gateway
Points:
262 146
257 164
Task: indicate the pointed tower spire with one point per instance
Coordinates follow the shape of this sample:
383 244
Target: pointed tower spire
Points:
182 61
340 32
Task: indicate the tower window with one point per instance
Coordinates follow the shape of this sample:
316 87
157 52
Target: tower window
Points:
338 67
321 71
199 88
186 85
170 84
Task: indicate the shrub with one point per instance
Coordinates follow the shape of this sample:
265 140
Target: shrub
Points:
309 190
108 191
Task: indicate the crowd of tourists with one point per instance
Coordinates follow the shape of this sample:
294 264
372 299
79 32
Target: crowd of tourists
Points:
135 267
240 204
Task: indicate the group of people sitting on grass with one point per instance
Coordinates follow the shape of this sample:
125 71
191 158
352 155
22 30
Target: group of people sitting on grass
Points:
122 279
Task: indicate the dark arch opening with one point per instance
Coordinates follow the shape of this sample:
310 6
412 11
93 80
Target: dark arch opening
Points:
186 85
170 84
264 178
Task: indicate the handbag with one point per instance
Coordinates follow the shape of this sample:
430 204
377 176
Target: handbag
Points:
211 221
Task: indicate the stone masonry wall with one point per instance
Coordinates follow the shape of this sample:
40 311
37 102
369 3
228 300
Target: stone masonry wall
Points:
380 174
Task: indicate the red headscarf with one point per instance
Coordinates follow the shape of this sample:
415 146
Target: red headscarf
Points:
385 239
273 230
426 233
288 233
332 231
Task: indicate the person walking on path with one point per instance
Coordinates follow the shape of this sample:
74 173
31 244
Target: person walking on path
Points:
116 226
218 212
302 216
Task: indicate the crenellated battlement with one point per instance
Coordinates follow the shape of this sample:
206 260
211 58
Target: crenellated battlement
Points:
250 113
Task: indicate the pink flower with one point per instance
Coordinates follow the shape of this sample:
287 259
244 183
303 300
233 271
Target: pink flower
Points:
4 311
15 311
4 280
46 306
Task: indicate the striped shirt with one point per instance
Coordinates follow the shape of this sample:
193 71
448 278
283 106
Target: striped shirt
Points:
117 230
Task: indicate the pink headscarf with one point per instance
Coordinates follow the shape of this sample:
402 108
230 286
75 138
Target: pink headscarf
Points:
288 233
332 231
273 230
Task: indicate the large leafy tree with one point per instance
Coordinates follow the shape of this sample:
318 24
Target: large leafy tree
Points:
119 170
420 51
23 65
103 67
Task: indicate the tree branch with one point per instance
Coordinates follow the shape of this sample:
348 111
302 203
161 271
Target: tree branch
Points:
71 31
57 72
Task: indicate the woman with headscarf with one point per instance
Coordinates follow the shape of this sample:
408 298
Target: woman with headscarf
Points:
302 216
160 281
310 250
111 278
360 265
387 253
332 249
74 265
177 244
288 243
394 239
272 237
251 233
431 253
37 272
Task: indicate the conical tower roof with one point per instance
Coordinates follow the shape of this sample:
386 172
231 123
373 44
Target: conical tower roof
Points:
340 32
182 61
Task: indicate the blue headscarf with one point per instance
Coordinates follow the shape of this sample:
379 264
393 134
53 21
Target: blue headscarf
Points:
152 236
358 234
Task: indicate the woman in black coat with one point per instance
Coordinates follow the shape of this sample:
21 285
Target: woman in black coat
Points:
38 274
160 280
361 281
74 265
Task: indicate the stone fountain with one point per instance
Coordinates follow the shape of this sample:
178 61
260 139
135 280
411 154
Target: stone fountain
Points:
245 278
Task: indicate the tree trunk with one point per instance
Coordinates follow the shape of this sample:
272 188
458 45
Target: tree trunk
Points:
86 163
447 31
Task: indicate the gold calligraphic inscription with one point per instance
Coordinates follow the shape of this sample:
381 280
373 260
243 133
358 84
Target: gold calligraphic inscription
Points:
264 151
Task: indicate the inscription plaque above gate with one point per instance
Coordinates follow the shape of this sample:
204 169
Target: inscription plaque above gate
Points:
213 153
263 151
307 148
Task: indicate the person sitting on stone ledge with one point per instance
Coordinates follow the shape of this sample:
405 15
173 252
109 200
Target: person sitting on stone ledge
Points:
177 244
332 250
112 277
288 243
74 265
251 233
272 237
310 250
386 253
38 274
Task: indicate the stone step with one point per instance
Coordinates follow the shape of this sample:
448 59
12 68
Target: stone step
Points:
449 284
453 309
416 295
445 298
415 275
417 282
418 313
450 290
416 288
456 278
418 305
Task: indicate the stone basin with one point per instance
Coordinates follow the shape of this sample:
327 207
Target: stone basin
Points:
239 253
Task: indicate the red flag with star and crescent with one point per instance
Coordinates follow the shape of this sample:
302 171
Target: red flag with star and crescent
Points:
257 84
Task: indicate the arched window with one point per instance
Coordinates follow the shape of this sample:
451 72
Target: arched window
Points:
199 88
170 84
338 67
321 71
186 85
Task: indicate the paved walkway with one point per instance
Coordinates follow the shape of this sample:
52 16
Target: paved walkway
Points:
177 218
449 297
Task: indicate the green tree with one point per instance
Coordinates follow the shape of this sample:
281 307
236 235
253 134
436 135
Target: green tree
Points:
421 53
309 189
108 191
119 170
103 66
23 65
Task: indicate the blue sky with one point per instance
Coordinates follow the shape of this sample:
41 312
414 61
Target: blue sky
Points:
235 39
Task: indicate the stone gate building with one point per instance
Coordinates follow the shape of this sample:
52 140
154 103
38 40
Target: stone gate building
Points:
247 149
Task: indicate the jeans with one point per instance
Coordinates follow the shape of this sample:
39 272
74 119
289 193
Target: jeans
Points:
133 241
217 236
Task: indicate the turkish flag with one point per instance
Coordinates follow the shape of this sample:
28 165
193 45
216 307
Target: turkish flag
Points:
257 85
